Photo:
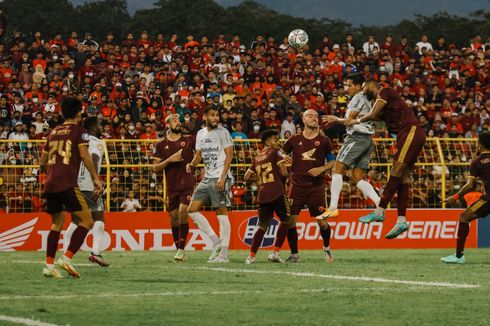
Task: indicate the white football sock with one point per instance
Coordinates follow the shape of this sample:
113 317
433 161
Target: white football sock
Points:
204 226
401 219
379 211
335 189
225 233
368 191
68 234
98 234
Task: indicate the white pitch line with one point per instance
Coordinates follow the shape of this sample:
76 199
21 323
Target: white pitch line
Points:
25 321
340 277
41 262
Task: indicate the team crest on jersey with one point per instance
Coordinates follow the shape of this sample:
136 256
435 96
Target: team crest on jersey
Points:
85 136
166 147
317 143
300 143
182 144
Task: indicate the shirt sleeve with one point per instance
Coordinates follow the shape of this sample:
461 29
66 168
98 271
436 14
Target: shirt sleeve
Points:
198 143
225 139
474 168
82 137
328 145
356 104
384 94
159 153
288 147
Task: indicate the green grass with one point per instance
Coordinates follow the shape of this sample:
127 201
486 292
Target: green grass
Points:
148 288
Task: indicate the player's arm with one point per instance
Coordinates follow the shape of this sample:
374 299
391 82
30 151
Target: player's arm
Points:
161 165
43 161
469 186
220 185
283 169
326 167
89 164
195 161
377 107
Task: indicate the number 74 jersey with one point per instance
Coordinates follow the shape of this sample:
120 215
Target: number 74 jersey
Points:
269 175
62 147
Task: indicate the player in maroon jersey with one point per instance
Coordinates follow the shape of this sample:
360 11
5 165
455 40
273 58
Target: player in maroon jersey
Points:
410 139
269 167
172 155
66 147
479 169
309 150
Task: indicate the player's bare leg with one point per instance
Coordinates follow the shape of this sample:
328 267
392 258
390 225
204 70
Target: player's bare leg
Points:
203 224
224 233
183 232
293 240
85 224
325 231
50 270
98 236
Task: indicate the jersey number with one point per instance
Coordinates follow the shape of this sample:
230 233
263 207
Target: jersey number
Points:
264 173
61 148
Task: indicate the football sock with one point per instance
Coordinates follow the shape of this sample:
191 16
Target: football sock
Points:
184 231
293 240
379 211
402 199
98 234
390 189
281 235
52 246
325 232
335 189
204 226
368 191
225 233
256 241
68 234
401 219
76 241
176 235
463 231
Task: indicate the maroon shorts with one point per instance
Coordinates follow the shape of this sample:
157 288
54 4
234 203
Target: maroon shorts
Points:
175 198
312 197
409 143
481 207
280 206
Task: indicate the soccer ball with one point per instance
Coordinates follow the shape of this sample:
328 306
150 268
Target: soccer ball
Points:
298 38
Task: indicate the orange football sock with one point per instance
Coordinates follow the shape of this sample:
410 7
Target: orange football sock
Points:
50 260
69 254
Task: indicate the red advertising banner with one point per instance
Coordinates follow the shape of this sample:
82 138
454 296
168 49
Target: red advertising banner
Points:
151 231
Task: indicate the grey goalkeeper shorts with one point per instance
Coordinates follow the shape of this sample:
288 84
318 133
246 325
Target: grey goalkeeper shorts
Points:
207 193
356 151
93 205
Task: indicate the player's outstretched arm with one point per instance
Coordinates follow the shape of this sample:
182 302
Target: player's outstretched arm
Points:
161 165
469 186
377 107
195 161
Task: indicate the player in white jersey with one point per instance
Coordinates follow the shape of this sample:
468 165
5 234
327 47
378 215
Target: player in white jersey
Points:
356 150
215 147
96 148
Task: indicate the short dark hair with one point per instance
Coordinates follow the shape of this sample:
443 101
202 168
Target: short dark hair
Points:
484 139
266 134
70 106
210 108
357 79
90 122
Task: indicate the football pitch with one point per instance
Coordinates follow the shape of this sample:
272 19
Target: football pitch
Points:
369 287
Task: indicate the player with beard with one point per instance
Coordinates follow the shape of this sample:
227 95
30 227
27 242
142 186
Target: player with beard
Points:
172 155
66 147
309 151
269 167
215 147
410 139
96 150
479 169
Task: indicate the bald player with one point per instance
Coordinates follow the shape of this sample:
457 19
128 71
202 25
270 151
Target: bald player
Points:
410 138
479 169
308 151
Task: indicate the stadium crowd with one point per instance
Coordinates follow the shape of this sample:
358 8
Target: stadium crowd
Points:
134 83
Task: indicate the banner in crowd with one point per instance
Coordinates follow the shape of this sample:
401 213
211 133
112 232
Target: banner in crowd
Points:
151 231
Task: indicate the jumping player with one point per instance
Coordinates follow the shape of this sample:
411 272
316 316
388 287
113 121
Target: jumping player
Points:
356 150
172 155
66 147
215 147
479 169
95 203
410 139
269 167
309 151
